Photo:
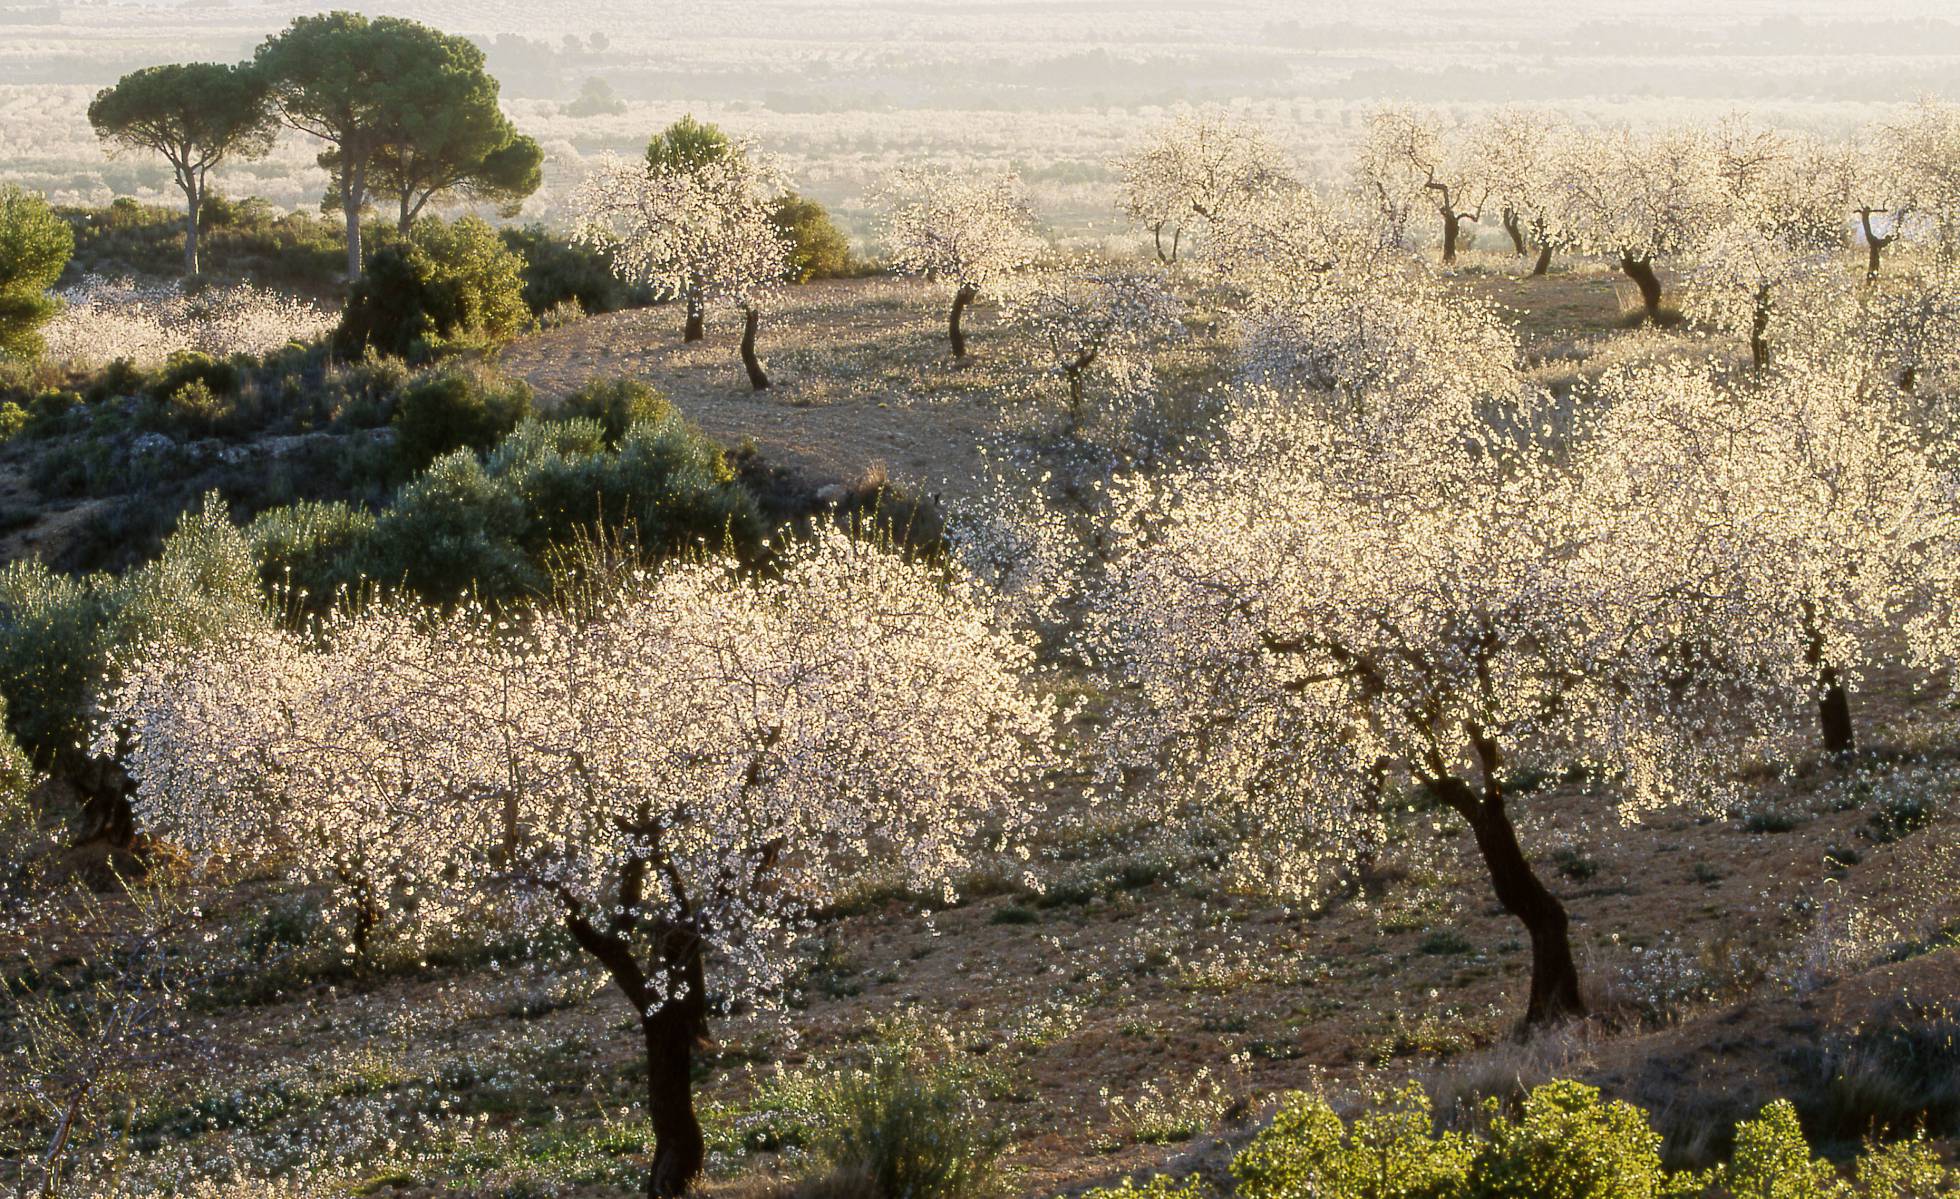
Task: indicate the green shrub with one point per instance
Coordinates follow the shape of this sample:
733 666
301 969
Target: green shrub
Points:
903 1128
23 833
818 249
448 284
58 633
1391 1151
457 409
1567 1143
1772 1160
35 245
452 530
304 549
616 404
13 420
558 270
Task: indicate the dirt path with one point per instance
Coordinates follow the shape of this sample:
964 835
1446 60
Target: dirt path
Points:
860 371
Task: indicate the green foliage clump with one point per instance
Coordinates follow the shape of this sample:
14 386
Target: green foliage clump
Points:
617 404
34 247
901 1126
300 547
1391 1151
686 145
448 284
558 270
818 248
457 409
59 634
498 526
1564 1142
1567 1143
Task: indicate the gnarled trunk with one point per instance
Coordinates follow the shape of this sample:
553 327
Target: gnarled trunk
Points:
679 1151
751 320
1641 271
961 298
1833 701
1544 263
1874 245
1452 229
1515 229
1554 973
1759 331
696 327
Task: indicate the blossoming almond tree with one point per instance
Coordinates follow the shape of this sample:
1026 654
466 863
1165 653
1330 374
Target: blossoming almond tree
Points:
971 232
1814 514
1193 173
1520 152
1409 161
702 232
676 769
1638 199
1093 319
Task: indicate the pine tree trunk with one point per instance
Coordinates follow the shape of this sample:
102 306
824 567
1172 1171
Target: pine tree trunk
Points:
1641 271
353 192
1554 973
751 320
961 299
194 194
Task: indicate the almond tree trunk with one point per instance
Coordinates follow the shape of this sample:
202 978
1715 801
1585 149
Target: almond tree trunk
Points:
1641 271
1516 231
1875 245
961 298
751 320
1833 701
696 327
1452 230
1759 331
1554 973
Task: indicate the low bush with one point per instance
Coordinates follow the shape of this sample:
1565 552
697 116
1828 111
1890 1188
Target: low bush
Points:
616 404
1563 1141
903 1128
454 410
448 285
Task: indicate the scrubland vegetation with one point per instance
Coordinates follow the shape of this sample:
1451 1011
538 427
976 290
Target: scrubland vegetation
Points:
1289 701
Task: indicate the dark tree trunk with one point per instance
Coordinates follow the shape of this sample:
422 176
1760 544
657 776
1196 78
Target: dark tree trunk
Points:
1909 379
679 1152
1452 227
1641 271
1544 263
406 219
751 320
1513 227
1554 973
672 1023
1759 331
961 299
696 327
1157 232
1874 245
1833 702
